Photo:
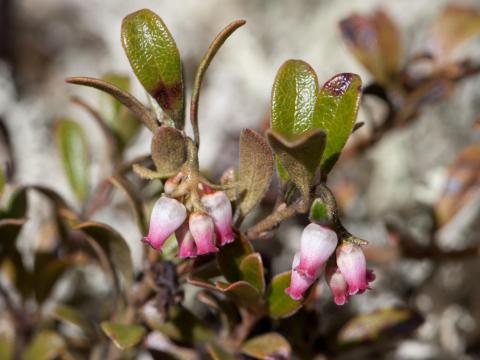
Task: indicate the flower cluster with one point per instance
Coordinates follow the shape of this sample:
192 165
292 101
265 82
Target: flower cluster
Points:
202 232
346 276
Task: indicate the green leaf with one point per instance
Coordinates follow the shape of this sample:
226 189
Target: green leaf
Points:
230 257
119 119
251 268
267 346
72 316
293 100
46 345
114 246
122 335
217 352
133 199
183 325
336 112
388 323
155 59
17 204
280 305
7 347
9 230
300 157
319 212
48 269
3 181
242 293
255 170
168 150
73 148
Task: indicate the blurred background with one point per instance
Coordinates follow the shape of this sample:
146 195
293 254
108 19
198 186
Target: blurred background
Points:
390 187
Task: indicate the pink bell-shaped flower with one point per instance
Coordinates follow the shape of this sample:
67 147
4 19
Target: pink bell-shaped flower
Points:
167 216
203 232
219 208
298 282
186 244
337 284
317 244
353 266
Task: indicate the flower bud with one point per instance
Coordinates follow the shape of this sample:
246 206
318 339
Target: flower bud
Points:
317 244
172 183
186 244
337 284
353 266
203 232
219 207
167 216
298 282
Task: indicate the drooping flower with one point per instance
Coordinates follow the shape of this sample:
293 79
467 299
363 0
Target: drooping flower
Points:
353 266
317 244
203 232
186 244
167 216
337 284
219 208
298 283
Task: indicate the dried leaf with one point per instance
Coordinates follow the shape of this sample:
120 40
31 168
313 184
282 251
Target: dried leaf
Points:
155 60
168 150
255 170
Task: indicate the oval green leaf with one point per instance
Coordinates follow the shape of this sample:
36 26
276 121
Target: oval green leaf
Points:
47 345
122 335
155 59
251 268
335 113
73 149
267 346
293 100
280 305
230 257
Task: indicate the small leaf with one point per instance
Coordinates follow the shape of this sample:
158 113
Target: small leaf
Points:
47 271
336 112
319 212
46 345
135 106
301 157
9 230
168 150
388 323
123 336
255 170
155 59
133 199
462 187
230 257
251 269
242 293
74 317
114 246
120 120
267 346
216 352
17 204
456 25
294 95
375 41
280 305
74 151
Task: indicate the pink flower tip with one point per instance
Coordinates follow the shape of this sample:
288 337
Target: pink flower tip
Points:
353 266
337 284
203 233
187 247
219 208
299 283
167 216
317 244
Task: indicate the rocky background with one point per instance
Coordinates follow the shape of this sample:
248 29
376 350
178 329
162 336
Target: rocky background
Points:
44 41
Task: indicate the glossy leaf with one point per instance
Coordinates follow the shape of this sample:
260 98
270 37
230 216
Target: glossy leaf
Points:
386 323
301 157
122 335
230 257
456 25
293 100
319 212
336 112
119 119
155 59
114 246
168 151
46 345
255 170
267 346
73 149
133 199
462 185
375 41
251 269
281 305
242 293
